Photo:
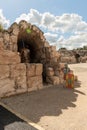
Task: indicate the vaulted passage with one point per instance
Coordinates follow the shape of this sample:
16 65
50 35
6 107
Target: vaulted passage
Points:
30 47
38 59
32 44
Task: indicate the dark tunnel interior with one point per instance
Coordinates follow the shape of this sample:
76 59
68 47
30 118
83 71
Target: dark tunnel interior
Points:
29 44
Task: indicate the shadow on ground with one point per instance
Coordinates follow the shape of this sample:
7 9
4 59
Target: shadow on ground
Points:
9 121
7 118
47 102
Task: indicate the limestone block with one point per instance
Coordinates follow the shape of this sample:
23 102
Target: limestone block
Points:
18 73
56 72
61 74
53 80
20 84
54 54
53 48
1 34
34 82
4 71
61 65
47 54
23 24
49 71
7 86
17 70
13 39
15 47
46 44
30 70
73 60
48 49
1 39
9 57
84 59
10 46
65 59
6 36
62 81
1 45
32 89
35 28
39 69
15 31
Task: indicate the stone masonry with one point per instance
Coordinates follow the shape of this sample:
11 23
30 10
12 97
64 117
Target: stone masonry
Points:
44 65
68 56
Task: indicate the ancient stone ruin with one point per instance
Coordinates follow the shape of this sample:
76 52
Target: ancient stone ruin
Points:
19 74
73 56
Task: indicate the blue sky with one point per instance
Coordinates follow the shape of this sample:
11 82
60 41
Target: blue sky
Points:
65 25
14 8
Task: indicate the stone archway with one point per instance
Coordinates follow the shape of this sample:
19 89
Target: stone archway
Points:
32 42
40 50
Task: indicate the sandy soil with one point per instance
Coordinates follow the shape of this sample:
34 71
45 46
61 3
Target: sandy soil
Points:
56 108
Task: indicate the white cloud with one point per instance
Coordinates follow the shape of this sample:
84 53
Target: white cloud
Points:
33 17
67 30
51 37
3 21
73 41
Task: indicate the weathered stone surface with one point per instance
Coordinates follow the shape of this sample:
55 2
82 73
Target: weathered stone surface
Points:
6 36
34 82
30 70
49 71
53 80
61 65
61 75
53 48
13 39
9 57
14 29
23 24
4 71
39 69
21 85
1 45
7 87
84 59
17 70
69 56
18 73
42 56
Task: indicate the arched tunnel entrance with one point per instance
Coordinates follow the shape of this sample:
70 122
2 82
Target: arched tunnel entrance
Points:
31 44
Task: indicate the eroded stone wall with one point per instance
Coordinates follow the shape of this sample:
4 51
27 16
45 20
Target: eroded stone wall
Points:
68 56
17 77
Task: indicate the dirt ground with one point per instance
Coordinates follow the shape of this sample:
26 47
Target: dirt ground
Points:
56 108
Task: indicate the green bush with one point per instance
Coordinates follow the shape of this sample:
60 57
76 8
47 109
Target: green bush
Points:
1 28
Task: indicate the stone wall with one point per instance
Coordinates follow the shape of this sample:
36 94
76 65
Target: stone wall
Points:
17 77
68 56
